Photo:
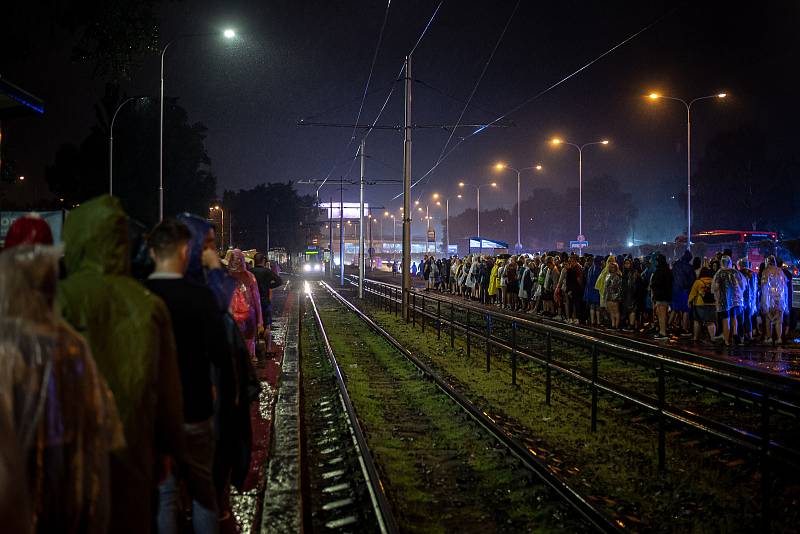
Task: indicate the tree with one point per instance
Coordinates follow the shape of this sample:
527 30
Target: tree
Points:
81 172
742 183
291 216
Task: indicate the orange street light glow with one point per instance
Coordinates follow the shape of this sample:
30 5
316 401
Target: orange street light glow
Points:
722 95
494 184
653 96
604 141
538 167
500 166
556 141
436 195
460 184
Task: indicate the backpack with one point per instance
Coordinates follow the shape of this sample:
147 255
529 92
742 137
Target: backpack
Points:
240 308
706 294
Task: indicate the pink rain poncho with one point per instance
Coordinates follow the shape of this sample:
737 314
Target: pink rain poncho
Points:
246 302
774 296
58 409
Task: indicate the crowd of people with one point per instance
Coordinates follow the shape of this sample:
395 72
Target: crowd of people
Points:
125 401
732 303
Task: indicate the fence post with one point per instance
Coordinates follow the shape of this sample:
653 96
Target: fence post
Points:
413 308
548 380
488 345
438 319
468 335
452 328
662 443
423 312
766 475
395 302
514 353
594 388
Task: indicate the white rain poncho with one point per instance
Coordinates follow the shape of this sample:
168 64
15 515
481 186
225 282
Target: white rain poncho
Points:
62 417
774 295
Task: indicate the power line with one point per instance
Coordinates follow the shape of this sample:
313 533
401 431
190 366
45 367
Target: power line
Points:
540 94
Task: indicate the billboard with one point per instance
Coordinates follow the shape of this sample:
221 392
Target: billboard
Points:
476 242
54 218
332 210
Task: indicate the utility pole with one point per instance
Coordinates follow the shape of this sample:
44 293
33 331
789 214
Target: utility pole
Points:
370 243
330 238
361 225
407 215
341 233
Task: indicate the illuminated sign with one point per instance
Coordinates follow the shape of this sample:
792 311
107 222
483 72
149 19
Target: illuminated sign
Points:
476 242
332 210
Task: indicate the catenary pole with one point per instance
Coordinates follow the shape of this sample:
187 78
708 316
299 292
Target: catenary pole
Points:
406 284
361 225
341 232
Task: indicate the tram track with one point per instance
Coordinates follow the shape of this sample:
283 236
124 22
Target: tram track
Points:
444 465
742 467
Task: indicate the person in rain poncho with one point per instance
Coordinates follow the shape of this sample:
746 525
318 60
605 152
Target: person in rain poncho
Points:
601 280
246 302
728 286
774 300
60 411
130 335
494 280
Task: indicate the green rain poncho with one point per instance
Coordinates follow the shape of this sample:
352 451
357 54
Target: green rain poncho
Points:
130 335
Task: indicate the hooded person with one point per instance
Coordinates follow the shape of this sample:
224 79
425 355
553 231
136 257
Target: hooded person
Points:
55 405
600 284
246 302
130 335
774 299
682 280
232 423
29 229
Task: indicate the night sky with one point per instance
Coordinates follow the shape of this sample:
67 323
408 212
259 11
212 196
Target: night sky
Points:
310 59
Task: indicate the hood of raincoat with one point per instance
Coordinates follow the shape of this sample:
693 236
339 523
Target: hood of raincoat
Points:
235 260
96 237
199 228
29 230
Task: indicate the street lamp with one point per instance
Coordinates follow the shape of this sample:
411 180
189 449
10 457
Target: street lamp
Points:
111 142
503 166
437 196
222 224
557 141
688 105
478 196
228 34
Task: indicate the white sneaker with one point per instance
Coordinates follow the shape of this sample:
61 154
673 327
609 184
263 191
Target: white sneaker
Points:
768 341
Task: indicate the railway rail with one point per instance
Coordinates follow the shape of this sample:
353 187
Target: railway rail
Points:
762 421
548 481
341 486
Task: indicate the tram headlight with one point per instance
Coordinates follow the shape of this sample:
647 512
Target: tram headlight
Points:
317 267
307 267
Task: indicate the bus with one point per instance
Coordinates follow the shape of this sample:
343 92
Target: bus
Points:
754 245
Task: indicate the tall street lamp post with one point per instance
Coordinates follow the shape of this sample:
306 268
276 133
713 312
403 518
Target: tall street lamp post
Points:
556 141
478 201
437 197
228 34
500 167
688 105
221 225
111 142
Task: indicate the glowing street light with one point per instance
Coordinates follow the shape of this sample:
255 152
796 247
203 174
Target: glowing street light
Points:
221 224
229 34
558 141
688 105
502 166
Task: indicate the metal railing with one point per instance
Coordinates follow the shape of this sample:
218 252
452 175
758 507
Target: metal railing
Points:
768 394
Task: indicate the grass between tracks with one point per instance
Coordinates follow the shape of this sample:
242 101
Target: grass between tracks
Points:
705 487
442 473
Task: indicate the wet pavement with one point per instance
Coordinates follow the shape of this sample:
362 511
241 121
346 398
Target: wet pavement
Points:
246 505
782 359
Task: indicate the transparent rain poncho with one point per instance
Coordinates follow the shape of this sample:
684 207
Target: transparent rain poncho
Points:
774 294
62 417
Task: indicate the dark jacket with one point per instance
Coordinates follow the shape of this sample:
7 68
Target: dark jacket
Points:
661 282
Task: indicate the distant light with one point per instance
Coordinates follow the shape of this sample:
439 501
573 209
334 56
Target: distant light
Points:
459 195
500 166
654 95
385 213
420 209
663 242
229 34
722 95
538 167
416 202
605 141
556 141
501 220
630 243
438 203
493 184
61 200
436 195
21 178
460 184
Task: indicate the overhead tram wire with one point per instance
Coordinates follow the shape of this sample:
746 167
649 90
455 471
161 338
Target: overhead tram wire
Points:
366 88
386 100
540 94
